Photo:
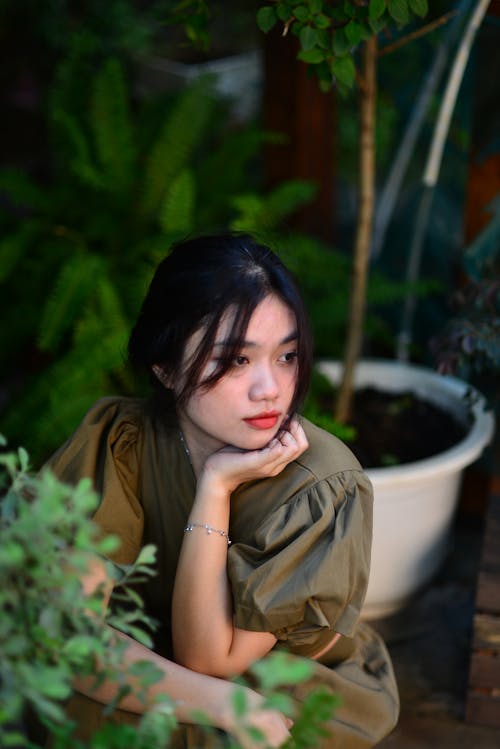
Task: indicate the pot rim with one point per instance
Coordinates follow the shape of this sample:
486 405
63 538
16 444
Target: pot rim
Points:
455 458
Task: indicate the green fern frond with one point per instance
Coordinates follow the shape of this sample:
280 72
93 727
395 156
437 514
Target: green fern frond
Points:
73 287
62 418
20 423
223 171
264 214
55 400
94 365
111 126
62 402
74 72
109 305
177 211
80 159
106 323
285 198
181 133
249 208
103 317
14 246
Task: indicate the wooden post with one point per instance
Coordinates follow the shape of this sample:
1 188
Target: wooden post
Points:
295 106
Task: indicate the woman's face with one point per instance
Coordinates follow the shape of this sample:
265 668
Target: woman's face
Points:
246 407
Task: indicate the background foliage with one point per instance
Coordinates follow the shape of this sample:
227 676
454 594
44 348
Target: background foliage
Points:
79 246
122 178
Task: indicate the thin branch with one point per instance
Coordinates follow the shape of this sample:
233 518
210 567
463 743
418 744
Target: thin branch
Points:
422 31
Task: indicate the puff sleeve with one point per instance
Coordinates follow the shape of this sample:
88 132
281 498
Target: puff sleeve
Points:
305 570
106 447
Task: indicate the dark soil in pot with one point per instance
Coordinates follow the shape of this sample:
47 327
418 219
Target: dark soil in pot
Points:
396 428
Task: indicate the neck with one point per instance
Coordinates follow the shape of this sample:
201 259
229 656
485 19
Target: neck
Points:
198 447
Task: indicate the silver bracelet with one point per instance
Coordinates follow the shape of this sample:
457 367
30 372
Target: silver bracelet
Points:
209 529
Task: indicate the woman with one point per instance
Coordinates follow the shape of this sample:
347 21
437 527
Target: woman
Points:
262 521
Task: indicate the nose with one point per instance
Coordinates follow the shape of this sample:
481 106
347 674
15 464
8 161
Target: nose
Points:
264 386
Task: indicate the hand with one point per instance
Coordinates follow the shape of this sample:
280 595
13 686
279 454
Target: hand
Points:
230 467
273 725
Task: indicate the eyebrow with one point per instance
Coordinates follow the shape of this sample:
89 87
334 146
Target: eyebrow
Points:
251 344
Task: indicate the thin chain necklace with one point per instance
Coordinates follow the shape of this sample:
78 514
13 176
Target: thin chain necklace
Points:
186 448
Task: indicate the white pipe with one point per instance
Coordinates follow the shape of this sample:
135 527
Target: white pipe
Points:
433 165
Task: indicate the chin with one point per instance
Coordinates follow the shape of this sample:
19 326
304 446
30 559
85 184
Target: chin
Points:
261 441
252 443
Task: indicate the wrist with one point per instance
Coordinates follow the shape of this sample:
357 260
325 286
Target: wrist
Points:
214 485
227 719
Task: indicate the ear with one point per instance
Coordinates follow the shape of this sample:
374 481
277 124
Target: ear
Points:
160 373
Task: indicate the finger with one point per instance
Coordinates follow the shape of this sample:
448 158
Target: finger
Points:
294 441
297 430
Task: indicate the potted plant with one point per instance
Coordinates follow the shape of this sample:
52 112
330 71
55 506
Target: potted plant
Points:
401 561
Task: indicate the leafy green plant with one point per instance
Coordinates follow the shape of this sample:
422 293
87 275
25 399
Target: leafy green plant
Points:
51 630
329 33
79 247
278 673
469 346
87 241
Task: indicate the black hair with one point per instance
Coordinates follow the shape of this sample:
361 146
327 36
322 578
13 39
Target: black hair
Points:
192 288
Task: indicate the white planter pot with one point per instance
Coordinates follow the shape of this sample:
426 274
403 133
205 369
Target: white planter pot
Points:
415 503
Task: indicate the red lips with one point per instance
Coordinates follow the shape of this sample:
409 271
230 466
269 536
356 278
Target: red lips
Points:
266 420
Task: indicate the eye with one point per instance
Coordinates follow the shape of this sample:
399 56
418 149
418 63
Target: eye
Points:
240 361
289 357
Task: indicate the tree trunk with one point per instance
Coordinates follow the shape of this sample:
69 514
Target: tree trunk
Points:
357 303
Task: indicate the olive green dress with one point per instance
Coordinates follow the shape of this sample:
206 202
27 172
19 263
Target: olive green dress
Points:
298 564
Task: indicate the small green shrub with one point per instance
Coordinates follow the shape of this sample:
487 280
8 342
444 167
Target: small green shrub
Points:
51 632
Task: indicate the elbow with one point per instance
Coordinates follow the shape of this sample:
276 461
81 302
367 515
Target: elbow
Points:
219 667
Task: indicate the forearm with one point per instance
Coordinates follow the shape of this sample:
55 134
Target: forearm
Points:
189 691
202 612
204 636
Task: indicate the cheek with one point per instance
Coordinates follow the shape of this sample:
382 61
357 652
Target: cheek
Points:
291 386
290 378
215 401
